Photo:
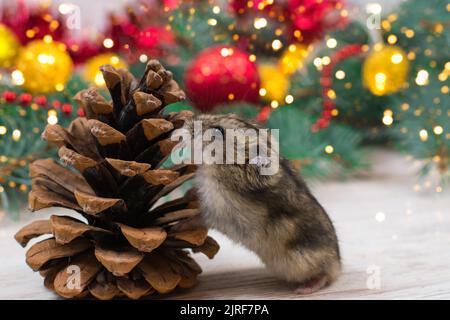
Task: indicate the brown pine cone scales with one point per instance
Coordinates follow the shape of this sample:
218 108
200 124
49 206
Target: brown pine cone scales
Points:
126 243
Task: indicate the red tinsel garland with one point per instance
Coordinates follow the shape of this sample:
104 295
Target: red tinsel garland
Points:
26 99
326 81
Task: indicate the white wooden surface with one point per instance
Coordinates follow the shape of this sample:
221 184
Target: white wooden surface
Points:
410 249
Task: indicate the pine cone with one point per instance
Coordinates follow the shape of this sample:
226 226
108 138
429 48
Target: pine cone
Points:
128 244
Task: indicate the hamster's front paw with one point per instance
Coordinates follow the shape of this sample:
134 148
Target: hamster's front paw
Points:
312 285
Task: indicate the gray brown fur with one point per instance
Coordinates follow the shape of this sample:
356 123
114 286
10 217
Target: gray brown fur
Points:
276 216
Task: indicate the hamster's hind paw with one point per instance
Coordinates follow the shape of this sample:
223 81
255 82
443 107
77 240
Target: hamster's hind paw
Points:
312 285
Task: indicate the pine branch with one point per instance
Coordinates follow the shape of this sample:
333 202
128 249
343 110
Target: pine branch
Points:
21 124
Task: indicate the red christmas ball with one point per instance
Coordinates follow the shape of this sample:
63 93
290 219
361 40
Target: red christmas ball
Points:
56 104
9 96
220 75
41 100
81 112
25 98
66 108
312 18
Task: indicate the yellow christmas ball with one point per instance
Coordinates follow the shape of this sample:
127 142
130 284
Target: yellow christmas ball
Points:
43 66
92 71
9 47
274 83
293 58
385 70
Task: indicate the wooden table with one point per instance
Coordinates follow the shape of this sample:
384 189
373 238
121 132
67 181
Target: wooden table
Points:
395 244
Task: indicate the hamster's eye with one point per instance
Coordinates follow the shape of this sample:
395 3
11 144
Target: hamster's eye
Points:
218 129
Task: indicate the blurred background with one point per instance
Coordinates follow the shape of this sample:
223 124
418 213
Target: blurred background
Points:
359 90
93 21
341 79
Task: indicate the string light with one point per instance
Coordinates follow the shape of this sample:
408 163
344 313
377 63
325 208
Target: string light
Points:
260 23
46 58
143 58
422 78
409 33
442 76
16 134
326 60
438 130
276 44
423 134
225 52
397 58
98 79
380 80
108 43
274 104
17 77
216 9
3 130
388 117
392 39
340 74
386 25
262 92
392 17
317 62
289 99
59 87
114 60
52 117
331 43
30 33
329 149
331 94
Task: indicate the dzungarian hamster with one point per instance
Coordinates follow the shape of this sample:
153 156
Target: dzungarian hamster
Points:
275 216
